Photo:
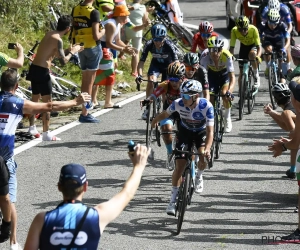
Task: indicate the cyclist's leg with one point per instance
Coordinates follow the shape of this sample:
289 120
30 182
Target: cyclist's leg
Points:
267 45
213 85
167 126
153 74
252 56
243 54
224 86
281 66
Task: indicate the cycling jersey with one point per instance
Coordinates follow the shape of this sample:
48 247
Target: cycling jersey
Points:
4 59
284 13
201 76
60 224
198 118
100 3
224 63
11 113
198 42
83 18
275 35
252 36
165 55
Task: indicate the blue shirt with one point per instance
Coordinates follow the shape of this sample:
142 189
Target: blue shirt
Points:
276 35
60 224
284 13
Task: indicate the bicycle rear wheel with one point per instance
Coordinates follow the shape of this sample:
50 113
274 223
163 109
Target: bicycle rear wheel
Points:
149 129
183 198
272 81
242 97
250 96
220 134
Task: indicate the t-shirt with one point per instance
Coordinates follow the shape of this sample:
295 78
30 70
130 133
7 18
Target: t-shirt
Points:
136 17
295 72
4 59
252 36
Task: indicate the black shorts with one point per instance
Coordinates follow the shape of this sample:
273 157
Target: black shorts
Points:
216 80
188 137
244 52
40 80
277 45
4 178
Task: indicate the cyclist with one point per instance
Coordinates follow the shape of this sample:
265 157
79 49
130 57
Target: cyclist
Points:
250 47
171 90
285 119
193 70
220 71
275 37
163 53
285 16
206 30
197 116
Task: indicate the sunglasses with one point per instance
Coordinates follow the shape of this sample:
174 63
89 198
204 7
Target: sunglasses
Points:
173 79
158 39
186 96
191 68
205 35
243 29
215 49
272 23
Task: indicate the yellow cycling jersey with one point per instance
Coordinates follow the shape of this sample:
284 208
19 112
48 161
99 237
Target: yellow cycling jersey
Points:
82 25
224 63
252 36
100 3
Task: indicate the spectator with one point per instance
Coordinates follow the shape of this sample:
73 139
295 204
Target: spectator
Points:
84 14
104 7
73 183
283 144
295 53
50 46
12 109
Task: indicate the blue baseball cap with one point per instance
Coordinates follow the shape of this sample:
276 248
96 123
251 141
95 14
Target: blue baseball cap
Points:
73 171
295 89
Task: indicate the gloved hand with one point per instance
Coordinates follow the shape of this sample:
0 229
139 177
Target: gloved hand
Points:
283 51
138 81
258 59
230 95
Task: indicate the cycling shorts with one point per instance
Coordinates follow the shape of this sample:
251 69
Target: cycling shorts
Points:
188 137
217 79
244 52
298 167
4 178
156 69
277 45
40 80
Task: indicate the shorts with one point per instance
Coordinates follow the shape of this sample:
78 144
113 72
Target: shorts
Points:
244 52
277 45
155 69
113 51
90 58
4 178
40 80
188 137
136 42
298 167
12 168
217 79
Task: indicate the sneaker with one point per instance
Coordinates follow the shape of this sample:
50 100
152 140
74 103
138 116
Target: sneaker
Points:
48 136
16 247
257 82
267 73
228 125
199 184
295 236
290 175
88 119
145 114
33 131
170 163
119 72
171 208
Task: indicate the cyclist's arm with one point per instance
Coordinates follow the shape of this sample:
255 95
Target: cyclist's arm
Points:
231 81
257 42
33 236
209 127
161 116
203 78
140 68
174 56
194 43
232 40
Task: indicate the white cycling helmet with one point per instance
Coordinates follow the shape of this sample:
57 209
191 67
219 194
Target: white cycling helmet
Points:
274 4
280 91
274 16
191 87
215 42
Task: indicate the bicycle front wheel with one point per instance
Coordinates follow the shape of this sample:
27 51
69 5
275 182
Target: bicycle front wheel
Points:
149 129
250 96
183 198
242 97
272 81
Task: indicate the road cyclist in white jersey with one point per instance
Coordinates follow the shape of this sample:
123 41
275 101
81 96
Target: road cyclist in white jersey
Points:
197 115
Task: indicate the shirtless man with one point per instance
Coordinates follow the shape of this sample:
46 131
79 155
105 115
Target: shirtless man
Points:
51 46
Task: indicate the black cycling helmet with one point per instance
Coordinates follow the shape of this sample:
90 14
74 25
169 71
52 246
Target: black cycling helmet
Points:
281 93
191 59
176 69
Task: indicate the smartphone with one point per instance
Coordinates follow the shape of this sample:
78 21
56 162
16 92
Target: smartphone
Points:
81 44
11 45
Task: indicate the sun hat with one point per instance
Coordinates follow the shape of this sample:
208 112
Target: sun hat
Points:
121 10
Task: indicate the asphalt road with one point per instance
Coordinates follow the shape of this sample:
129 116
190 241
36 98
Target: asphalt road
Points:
245 197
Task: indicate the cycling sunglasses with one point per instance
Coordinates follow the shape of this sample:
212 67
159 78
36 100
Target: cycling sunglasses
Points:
191 68
174 79
206 35
187 96
243 29
158 39
272 23
215 49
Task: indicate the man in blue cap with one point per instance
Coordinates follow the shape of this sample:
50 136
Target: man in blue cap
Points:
72 224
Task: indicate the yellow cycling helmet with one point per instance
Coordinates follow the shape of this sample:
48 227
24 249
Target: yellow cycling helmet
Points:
242 22
176 69
215 42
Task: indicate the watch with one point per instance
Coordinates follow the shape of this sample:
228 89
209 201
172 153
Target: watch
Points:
283 147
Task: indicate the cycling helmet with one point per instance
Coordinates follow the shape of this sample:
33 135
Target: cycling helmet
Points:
274 16
158 30
176 69
206 27
191 87
274 4
242 22
215 42
281 91
191 59
295 51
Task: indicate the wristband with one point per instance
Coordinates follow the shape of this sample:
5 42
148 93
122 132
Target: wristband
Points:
283 147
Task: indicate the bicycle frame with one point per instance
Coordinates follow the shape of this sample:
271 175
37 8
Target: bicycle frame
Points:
246 68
